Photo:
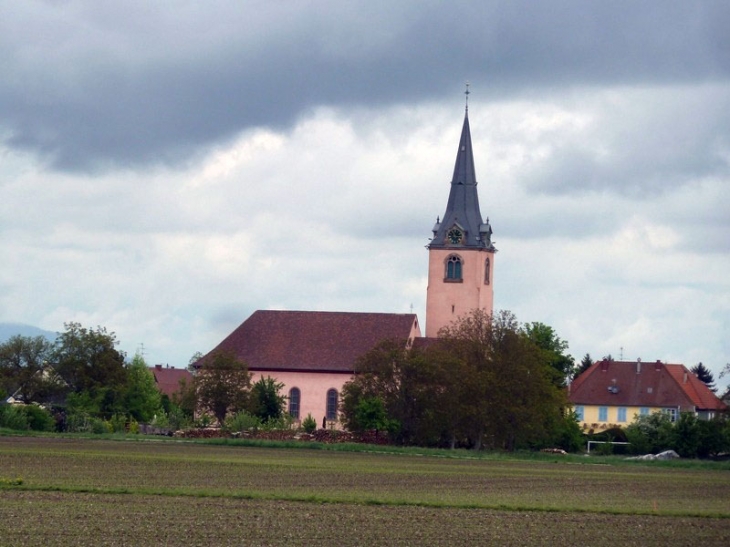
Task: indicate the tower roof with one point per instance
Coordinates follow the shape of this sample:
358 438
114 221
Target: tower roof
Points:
462 209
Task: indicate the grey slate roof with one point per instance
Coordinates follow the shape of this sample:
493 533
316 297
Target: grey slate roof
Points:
311 340
462 209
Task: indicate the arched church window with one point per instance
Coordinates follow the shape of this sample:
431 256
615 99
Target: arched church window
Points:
294 397
332 404
453 268
487 264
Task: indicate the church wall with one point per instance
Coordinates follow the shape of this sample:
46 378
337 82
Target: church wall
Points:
313 387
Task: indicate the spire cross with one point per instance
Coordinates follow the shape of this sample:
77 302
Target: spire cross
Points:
467 92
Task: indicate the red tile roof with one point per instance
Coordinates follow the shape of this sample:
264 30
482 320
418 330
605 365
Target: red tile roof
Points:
168 378
312 340
627 383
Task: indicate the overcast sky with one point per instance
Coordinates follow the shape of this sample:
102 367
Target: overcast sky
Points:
167 168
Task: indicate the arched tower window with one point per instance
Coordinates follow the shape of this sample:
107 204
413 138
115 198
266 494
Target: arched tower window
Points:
332 404
487 264
294 397
453 268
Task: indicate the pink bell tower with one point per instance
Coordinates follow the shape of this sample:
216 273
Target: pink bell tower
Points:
461 253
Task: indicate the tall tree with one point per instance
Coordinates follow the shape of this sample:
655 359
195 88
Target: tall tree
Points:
91 366
223 385
408 387
554 348
142 398
704 374
584 365
514 398
24 369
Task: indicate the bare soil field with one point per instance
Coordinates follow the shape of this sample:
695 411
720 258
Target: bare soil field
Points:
93 492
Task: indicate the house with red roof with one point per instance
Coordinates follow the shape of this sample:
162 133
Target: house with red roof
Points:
168 379
612 393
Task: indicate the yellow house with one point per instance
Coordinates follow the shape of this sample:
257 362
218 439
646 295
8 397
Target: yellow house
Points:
612 393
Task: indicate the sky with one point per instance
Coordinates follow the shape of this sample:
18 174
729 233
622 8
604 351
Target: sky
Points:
167 168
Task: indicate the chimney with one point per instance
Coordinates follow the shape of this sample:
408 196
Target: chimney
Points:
158 367
658 365
638 365
604 365
685 376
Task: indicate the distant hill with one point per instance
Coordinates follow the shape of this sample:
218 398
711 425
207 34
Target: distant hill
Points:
7 330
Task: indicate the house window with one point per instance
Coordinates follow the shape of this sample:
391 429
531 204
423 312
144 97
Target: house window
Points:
486 271
621 414
580 413
644 411
672 413
332 404
453 268
602 413
294 397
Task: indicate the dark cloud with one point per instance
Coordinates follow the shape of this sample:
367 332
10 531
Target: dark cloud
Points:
92 86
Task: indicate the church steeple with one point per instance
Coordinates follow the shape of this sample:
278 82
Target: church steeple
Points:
462 210
461 253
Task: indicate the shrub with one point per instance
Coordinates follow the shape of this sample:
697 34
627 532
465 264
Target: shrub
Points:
39 419
80 422
118 423
242 421
12 417
650 434
177 418
567 434
714 437
282 422
309 424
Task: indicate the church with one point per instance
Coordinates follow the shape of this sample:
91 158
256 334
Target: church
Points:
312 353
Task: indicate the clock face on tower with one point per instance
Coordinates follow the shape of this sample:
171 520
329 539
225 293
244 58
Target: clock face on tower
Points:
455 236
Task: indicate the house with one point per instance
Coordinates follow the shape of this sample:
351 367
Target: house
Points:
167 378
313 353
613 393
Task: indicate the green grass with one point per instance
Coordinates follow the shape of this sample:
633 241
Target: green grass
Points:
230 483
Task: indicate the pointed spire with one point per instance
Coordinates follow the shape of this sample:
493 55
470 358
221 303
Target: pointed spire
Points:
464 172
462 209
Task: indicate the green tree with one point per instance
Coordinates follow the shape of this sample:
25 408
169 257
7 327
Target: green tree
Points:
223 385
584 365
510 397
197 356
142 398
545 338
89 363
408 386
705 375
266 400
24 369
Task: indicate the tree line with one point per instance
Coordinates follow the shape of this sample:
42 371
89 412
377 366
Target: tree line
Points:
484 382
82 382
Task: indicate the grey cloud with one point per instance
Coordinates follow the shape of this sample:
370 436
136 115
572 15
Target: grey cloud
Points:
642 149
91 86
